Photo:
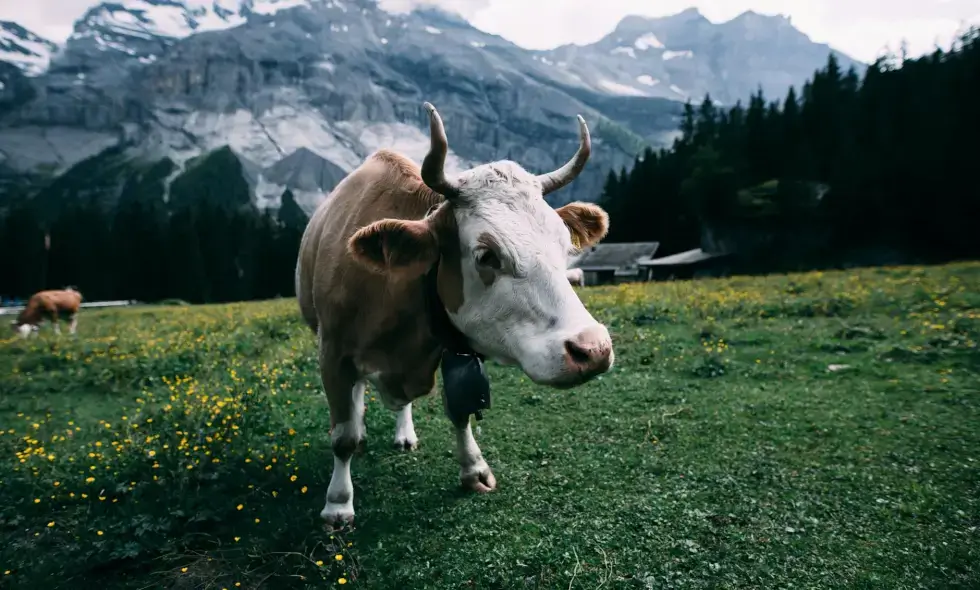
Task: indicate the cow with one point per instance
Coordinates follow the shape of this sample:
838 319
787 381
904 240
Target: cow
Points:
49 305
401 264
575 276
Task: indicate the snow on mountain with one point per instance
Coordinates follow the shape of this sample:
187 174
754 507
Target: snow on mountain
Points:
24 49
647 41
687 56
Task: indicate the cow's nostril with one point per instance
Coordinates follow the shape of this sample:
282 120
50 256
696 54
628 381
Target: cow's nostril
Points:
578 355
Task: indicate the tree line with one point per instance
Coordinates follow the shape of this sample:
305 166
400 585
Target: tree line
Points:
849 169
200 253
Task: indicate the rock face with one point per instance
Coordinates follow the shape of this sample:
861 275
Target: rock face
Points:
300 91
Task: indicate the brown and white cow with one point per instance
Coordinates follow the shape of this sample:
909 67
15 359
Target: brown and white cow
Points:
495 253
49 305
575 276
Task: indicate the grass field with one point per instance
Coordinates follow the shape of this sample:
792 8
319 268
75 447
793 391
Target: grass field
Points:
808 431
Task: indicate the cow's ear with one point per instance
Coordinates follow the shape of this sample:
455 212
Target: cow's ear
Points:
587 223
395 245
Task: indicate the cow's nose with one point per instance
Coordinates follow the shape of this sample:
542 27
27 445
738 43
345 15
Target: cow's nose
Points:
589 352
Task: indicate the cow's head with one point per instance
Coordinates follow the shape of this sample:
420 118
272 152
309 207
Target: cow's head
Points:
502 253
24 329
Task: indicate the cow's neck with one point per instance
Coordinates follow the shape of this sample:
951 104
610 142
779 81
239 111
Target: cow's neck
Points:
448 335
464 381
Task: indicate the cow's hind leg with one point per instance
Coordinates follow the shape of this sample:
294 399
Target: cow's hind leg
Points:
474 473
73 326
345 395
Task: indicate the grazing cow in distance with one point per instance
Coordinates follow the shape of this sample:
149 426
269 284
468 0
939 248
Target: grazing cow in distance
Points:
576 276
49 305
402 267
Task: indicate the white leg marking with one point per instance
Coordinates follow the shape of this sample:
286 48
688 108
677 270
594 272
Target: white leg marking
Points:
73 325
341 489
405 437
346 436
57 329
474 473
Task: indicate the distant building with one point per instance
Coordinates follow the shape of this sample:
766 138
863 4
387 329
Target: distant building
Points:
604 264
683 265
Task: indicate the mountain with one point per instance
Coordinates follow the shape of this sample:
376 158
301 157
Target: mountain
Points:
22 48
687 56
292 94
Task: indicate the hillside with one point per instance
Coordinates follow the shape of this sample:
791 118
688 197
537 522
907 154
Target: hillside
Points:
333 80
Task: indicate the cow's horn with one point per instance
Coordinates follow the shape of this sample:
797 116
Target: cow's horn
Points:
433 166
553 181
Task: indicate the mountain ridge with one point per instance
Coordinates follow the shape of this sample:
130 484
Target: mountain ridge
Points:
337 78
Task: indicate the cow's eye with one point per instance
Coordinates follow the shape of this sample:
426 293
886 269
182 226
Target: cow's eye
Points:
489 259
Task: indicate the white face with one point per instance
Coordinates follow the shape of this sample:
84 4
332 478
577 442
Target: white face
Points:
518 306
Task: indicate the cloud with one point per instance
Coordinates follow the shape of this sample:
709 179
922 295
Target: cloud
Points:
861 28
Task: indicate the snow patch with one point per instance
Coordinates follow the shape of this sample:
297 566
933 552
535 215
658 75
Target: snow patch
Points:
647 80
677 89
623 89
146 19
384 41
400 137
432 30
648 41
274 6
477 44
264 140
626 50
24 49
687 53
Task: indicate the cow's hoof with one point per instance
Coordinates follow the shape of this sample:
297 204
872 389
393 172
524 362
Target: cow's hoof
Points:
478 479
406 444
338 515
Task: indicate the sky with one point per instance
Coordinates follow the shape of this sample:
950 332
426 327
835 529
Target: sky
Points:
862 29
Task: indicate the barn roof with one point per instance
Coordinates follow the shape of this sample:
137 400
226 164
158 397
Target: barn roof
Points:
688 257
615 256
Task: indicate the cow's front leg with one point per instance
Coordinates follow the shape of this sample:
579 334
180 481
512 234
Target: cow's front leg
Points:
474 473
73 326
405 437
57 327
346 399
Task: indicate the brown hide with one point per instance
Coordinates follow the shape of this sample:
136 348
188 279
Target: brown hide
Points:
368 321
48 305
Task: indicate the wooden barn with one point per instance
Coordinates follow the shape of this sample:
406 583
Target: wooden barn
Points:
683 265
605 264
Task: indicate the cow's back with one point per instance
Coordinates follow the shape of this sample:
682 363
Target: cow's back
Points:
344 301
